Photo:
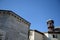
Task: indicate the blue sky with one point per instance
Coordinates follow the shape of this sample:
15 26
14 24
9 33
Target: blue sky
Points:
37 12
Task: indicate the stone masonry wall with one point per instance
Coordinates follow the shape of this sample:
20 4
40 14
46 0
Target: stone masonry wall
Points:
15 29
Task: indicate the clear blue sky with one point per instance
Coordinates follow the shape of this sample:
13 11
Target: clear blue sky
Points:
35 11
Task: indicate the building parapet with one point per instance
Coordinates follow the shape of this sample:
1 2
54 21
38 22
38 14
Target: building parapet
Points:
15 15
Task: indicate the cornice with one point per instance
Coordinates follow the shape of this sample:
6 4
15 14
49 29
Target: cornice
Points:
15 15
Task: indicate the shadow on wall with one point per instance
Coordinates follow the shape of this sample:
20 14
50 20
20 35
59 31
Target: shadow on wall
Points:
45 38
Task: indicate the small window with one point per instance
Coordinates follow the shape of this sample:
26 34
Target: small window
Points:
54 36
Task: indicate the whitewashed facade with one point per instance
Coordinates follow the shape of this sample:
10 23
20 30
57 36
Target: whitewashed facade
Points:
36 35
52 34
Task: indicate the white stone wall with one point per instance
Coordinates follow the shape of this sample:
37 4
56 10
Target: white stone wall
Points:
31 36
38 36
46 36
58 35
50 36
35 35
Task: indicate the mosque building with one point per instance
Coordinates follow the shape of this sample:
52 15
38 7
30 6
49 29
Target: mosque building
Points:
52 34
14 27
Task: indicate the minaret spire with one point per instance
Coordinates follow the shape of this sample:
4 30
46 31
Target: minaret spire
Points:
50 24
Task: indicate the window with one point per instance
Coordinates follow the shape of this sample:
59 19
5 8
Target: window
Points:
54 36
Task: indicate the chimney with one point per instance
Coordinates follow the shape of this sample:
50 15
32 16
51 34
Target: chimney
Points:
50 24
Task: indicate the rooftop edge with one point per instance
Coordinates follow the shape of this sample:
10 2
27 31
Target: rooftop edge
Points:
16 15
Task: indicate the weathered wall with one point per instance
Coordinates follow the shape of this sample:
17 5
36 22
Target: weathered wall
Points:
15 29
38 36
34 35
